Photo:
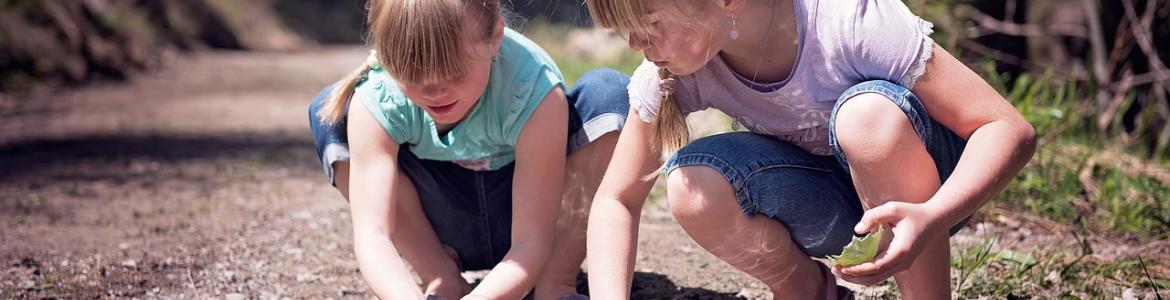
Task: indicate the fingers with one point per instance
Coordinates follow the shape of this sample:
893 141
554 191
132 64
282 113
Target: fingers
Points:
885 213
893 257
866 280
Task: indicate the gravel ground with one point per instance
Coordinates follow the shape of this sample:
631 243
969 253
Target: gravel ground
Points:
199 181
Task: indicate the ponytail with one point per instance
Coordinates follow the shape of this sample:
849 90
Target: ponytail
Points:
670 128
342 92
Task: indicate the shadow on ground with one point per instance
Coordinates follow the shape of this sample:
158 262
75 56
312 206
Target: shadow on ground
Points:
58 158
658 286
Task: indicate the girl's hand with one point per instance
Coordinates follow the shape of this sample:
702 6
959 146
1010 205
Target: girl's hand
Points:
913 226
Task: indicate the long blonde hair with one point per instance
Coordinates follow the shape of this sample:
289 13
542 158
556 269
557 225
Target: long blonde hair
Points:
670 127
417 41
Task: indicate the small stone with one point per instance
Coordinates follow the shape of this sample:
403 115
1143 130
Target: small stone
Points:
235 296
123 246
1053 277
130 263
1129 294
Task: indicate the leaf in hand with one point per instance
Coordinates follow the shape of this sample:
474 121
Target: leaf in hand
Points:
860 250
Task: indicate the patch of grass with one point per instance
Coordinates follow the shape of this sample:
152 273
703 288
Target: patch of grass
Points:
991 273
1078 173
552 37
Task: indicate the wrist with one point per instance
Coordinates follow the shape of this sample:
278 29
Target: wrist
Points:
938 215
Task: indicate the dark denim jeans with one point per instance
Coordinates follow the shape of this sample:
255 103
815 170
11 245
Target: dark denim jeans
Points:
471 211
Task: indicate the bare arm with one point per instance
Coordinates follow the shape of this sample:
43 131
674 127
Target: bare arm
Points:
536 200
999 140
613 219
372 172
999 143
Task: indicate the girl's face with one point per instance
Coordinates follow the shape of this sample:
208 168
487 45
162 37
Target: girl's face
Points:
683 42
448 101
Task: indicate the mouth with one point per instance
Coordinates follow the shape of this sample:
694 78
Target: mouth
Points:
442 109
660 63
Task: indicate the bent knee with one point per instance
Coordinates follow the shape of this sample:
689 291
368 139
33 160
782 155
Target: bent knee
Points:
694 191
869 125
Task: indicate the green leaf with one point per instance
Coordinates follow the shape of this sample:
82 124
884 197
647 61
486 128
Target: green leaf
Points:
1021 258
860 250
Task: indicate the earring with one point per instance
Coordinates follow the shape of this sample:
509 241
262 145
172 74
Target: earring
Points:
734 31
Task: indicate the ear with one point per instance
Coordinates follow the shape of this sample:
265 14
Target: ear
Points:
498 34
731 7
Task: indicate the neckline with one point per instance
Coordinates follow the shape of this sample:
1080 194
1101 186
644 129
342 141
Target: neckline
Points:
801 16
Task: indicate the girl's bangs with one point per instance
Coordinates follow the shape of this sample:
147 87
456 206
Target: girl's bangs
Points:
627 16
423 41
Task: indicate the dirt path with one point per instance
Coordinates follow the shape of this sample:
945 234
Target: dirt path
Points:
199 181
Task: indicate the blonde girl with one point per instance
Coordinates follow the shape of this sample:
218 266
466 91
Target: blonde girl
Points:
856 119
455 145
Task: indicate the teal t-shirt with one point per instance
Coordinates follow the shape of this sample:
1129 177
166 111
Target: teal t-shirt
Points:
521 76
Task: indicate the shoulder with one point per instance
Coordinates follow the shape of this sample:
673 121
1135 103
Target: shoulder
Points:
850 21
380 95
522 55
522 71
645 96
381 89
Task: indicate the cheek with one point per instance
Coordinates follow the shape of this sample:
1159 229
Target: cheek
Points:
473 86
693 50
409 91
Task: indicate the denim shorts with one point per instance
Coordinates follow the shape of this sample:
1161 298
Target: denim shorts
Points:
471 211
812 195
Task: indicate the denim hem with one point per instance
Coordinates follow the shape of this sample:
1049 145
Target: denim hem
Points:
594 128
900 96
733 176
334 152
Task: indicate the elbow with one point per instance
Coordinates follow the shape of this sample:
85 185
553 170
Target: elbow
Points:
1026 140
614 203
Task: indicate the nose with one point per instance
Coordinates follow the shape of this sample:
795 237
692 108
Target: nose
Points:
638 43
434 92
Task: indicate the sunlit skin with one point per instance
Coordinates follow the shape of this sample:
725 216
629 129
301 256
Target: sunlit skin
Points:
449 101
904 194
547 243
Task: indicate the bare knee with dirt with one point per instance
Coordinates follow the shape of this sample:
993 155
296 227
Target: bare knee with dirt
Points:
704 203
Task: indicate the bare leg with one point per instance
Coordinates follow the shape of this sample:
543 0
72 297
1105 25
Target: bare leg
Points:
583 173
704 203
415 240
872 130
